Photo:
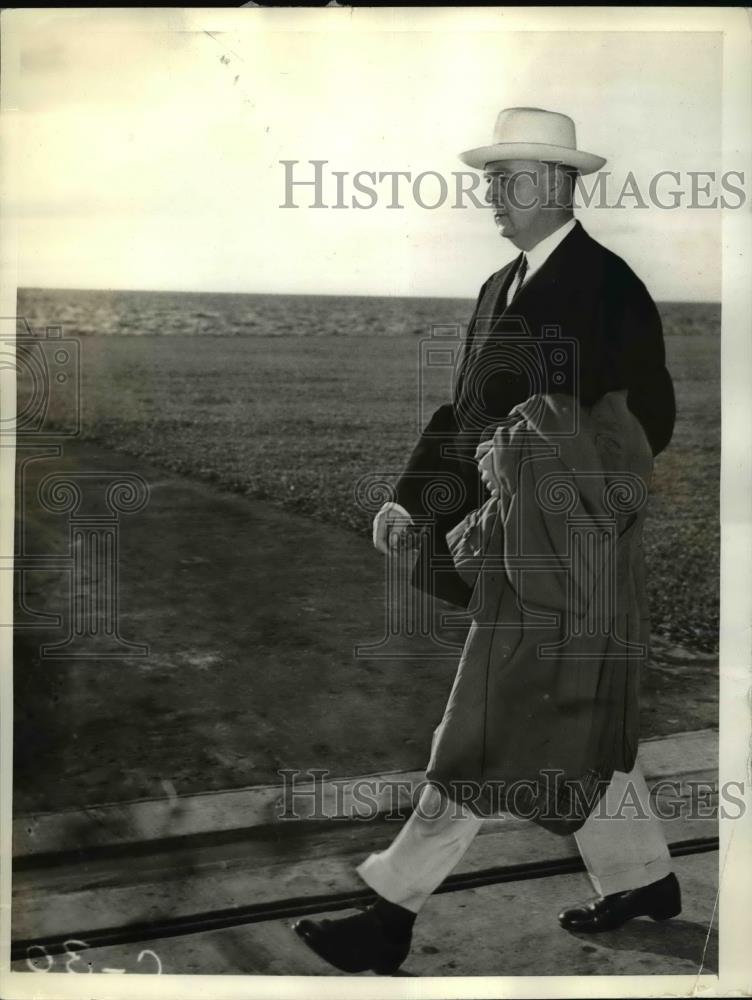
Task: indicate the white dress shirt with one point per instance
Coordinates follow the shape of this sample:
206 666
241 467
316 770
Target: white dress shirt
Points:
539 254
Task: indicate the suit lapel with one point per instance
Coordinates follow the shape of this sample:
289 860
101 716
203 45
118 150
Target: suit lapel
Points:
554 271
494 302
501 305
536 301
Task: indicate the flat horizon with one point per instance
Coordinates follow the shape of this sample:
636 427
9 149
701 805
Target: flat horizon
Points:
317 295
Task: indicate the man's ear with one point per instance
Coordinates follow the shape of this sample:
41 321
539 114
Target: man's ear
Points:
562 186
557 186
552 184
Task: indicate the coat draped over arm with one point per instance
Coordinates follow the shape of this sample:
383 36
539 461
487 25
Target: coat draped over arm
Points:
545 702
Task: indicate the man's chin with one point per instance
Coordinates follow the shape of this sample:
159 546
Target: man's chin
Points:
504 227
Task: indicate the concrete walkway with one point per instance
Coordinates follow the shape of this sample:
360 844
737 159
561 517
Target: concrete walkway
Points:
685 755
225 899
496 930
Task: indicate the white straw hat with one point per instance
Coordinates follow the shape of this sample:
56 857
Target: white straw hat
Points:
533 134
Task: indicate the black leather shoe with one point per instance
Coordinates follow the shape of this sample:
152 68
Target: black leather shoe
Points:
660 900
358 943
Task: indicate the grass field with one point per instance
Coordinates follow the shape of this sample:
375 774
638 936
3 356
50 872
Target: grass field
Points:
299 421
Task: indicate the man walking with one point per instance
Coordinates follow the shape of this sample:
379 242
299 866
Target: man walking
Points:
562 279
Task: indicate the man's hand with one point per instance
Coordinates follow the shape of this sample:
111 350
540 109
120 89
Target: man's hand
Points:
484 457
483 447
390 527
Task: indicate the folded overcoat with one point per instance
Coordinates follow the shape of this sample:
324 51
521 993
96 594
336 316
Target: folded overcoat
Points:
545 705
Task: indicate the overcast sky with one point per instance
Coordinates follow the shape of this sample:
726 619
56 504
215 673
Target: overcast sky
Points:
149 158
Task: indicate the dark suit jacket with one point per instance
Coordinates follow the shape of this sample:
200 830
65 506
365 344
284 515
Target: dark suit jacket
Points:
583 324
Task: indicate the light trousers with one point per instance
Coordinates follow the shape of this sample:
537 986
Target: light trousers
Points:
622 844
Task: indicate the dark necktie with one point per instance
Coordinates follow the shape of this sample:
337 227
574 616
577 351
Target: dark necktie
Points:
520 276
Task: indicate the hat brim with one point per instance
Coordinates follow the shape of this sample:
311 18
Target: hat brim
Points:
586 163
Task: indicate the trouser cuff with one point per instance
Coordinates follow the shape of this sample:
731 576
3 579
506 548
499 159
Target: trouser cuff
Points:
632 878
377 874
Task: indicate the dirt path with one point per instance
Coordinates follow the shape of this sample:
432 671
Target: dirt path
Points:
251 615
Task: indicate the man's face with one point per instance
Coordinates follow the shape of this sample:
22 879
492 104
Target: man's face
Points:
516 191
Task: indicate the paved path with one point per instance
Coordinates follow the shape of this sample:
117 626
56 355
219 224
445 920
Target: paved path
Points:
222 901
